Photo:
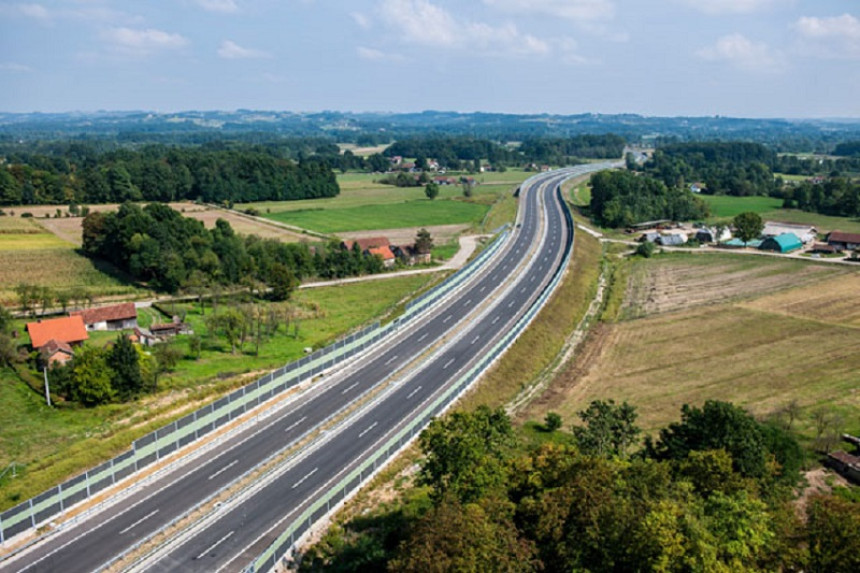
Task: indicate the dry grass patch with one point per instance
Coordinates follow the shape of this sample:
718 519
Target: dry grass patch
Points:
680 281
441 234
753 332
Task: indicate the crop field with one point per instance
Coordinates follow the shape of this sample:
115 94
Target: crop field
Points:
419 213
32 255
759 334
54 443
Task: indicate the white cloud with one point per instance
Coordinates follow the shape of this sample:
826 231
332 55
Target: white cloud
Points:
732 6
139 42
225 6
232 51
743 53
374 55
578 10
362 20
29 10
13 67
837 37
420 22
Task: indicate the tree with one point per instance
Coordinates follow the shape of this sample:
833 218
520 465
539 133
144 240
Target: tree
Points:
123 361
464 453
431 190
92 384
748 226
608 430
423 241
282 282
195 345
714 426
646 249
834 535
552 422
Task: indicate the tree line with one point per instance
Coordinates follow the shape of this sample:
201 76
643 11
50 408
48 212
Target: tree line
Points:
621 198
217 173
712 492
157 245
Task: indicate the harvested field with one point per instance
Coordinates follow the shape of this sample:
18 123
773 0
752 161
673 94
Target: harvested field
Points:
757 333
69 228
441 234
683 281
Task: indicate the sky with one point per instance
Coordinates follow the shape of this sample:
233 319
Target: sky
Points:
740 58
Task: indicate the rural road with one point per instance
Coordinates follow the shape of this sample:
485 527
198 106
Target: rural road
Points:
478 314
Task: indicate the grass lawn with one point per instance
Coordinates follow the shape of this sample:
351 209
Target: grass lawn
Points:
53 444
725 207
418 213
29 254
694 328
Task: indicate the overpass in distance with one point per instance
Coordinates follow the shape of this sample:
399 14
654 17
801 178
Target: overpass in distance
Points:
407 371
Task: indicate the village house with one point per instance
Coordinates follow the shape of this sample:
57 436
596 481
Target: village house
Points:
843 241
409 256
56 337
56 352
384 253
115 317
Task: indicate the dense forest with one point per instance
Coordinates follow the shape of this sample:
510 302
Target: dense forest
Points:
836 196
712 492
157 245
725 168
621 198
81 174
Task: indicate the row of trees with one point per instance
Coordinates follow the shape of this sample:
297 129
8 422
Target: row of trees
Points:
712 493
159 173
838 197
159 246
621 198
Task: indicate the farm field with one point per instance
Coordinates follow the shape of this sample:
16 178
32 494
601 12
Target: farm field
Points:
413 214
692 328
69 228
724 207
360 189
54 443
29 254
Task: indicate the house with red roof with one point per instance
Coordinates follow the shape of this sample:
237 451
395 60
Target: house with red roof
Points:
383 253
115 317
69 330
842 241
366 243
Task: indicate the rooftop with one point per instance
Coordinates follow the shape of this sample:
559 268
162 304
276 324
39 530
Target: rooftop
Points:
69 329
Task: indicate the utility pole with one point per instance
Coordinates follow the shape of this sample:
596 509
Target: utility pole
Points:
47 387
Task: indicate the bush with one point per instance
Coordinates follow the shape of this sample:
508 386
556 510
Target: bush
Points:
646 249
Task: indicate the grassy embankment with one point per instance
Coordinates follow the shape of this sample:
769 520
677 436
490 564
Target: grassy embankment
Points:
685 328
53 444
30 254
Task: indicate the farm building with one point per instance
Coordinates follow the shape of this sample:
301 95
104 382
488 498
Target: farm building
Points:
409 255
367 243
168 329
56 352
115 317
649 237
672 240
805 233
845 464
712 235
69 330
823 248
843 241
784 243
738 244
384 253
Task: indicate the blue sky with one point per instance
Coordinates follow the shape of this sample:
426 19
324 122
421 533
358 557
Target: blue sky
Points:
746 58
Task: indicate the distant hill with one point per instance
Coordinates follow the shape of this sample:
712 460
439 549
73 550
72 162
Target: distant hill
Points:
375 128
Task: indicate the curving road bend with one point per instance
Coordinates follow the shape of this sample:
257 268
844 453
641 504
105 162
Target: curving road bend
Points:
233 537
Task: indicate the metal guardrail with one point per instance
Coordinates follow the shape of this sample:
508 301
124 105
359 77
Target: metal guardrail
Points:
283 545
167 439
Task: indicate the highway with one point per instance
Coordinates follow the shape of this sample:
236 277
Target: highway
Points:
239 532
